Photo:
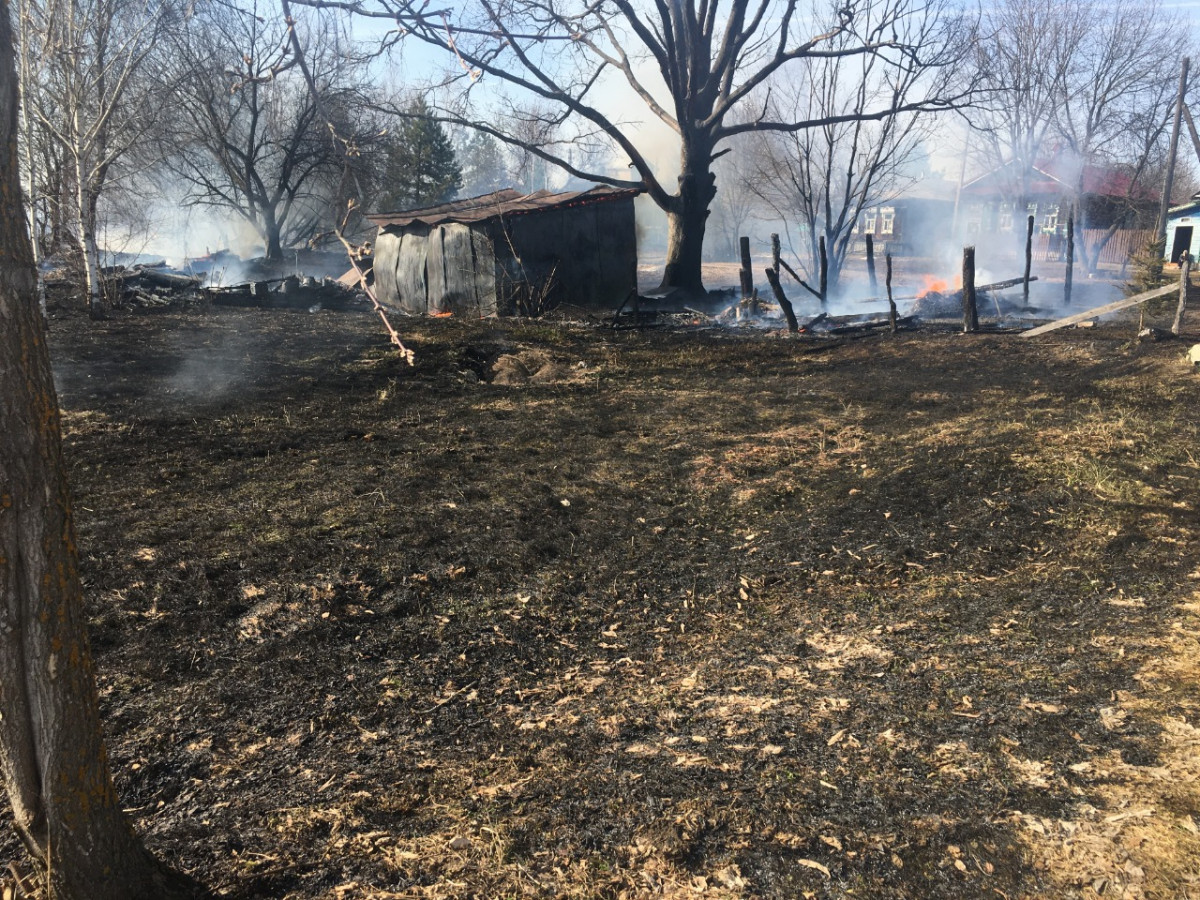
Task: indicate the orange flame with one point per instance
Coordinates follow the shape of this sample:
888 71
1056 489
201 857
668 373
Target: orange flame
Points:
940 285
933 283
442 315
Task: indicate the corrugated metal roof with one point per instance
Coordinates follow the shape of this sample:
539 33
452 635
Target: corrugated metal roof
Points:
507 202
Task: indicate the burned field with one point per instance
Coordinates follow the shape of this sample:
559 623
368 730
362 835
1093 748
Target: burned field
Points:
568 612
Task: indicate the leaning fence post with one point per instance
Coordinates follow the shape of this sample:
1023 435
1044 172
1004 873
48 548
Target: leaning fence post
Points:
782 300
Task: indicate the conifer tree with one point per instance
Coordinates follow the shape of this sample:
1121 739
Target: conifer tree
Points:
421 169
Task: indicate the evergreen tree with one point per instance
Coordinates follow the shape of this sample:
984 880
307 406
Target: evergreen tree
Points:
485 168
422 169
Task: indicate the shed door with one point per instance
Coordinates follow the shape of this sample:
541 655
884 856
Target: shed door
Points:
1182 242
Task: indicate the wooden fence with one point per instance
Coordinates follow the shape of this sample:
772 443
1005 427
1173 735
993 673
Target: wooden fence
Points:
1122 245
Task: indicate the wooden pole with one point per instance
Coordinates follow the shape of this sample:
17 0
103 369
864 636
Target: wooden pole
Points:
891 301
775 253
871 265
1028 259
1185 268
970 312
782 300
1172 152
824 284
1067 283
1076 318
747 274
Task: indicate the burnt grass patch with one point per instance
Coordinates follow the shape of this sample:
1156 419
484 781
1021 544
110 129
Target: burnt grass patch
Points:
703 612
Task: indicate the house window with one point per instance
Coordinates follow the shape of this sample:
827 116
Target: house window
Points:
869 222
1005 222
889 219
1050 222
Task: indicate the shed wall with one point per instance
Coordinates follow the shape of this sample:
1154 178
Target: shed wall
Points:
1191 220
584 255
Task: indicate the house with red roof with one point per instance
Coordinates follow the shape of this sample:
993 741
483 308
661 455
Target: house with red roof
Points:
1000 201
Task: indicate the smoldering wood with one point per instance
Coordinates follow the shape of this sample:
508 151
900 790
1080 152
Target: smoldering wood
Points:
970 308
872 325
782 300
979 289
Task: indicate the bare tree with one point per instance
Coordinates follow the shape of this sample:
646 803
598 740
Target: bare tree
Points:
689 63
1115 102
824 177
82 66
52 757
1080 79
254 140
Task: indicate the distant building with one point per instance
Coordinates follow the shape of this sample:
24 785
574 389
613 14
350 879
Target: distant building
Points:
989 204
920 222
509 253
1183 231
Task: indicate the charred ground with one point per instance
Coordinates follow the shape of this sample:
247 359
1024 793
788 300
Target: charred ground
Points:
686 611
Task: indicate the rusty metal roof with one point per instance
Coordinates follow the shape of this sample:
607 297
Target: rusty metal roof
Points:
507 202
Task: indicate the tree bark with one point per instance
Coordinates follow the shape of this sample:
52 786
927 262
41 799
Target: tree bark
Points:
687 217
85 221
52 756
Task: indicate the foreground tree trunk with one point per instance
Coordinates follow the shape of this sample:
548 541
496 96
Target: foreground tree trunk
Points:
687 216
52 756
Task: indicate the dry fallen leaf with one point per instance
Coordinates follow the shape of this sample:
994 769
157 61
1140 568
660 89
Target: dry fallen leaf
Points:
813 864
836 737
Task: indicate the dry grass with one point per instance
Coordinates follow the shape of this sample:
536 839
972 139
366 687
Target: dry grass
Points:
704 614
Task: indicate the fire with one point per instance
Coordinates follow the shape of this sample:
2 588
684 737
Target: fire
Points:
442 315
939 285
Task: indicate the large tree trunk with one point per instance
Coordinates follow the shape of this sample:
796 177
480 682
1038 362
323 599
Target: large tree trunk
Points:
687 216
52 756
271 231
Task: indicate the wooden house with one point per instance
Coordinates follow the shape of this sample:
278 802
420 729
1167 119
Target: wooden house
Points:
509 253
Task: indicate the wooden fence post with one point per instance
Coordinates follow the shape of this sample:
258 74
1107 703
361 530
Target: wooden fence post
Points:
747 274
892 319
824 283
871 265
1067 284
1028 258
1185 268
970 312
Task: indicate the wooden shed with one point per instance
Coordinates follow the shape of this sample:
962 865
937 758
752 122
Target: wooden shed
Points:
1182 231
509 253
